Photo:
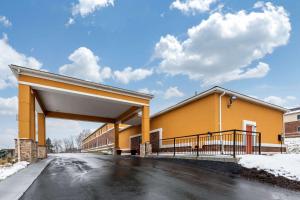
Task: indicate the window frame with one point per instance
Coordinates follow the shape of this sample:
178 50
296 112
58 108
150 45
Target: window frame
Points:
298 117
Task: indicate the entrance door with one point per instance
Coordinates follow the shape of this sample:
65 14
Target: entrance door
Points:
249 142
135 143
154 141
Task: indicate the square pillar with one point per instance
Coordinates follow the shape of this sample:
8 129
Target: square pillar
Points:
145 147
25 144
116 133
42 150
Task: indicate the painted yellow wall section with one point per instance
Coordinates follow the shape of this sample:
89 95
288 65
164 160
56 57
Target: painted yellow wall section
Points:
195 117
41 130
202 116
145 124
77 88
268 121
26 113
124 136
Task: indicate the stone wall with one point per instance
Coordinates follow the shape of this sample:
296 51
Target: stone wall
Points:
42 152
28 150
293 144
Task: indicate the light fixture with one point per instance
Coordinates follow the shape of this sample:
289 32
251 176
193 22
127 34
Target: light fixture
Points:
231 100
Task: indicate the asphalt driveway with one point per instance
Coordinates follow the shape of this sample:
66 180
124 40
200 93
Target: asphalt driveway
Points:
89 176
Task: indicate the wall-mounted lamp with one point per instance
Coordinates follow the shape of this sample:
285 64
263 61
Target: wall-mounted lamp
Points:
231 100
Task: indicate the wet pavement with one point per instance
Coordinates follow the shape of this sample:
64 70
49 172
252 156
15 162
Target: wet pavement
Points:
89 176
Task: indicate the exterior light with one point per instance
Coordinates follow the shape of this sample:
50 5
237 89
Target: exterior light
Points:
231 100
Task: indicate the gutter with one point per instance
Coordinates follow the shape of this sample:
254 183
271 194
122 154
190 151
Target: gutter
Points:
220 119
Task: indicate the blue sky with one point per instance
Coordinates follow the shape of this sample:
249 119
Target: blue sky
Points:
170 48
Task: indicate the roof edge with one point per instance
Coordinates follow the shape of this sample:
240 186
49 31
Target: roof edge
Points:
19 70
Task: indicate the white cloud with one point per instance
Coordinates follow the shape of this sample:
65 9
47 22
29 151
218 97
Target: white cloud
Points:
225 44
288 101
7 136
86 7
8 106
70 22
192 6
148 91
8 55
172 92
85 65
129 74
259 71
5 21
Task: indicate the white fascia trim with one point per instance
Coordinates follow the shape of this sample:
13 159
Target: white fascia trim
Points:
17 70
272 145
219 89
248 122
82 93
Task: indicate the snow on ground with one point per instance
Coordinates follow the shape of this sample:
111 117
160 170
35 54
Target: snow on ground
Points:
9 170
287 165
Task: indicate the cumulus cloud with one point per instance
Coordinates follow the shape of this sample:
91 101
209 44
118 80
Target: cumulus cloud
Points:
70 22
9 55
172 92
85 65
5 22
7 136
222 47
8 106
287 101
87 7
192 6
129 74
148 91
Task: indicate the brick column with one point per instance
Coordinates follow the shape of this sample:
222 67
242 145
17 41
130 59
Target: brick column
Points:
26 139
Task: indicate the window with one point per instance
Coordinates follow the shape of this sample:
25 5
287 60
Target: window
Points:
298 129
298 117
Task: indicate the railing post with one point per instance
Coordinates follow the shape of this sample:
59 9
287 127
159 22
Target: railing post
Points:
197 145
174 147
259 143
234 142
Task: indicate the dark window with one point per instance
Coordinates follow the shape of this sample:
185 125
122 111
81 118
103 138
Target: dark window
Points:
298 117
298 129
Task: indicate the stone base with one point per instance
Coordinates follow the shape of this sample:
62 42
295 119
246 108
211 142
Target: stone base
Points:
145 149
28 149
42 152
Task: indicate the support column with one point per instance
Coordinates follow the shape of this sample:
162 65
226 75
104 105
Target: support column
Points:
117 145
25 144
42 151
145 147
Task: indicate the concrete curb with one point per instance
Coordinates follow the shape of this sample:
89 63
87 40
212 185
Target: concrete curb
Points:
16 185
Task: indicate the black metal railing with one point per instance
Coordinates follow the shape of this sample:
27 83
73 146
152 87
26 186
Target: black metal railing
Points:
229 142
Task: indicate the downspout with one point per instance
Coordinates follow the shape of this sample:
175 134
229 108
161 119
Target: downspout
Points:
220 120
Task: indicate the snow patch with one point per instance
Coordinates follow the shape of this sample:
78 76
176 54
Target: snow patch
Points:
286 165
8 170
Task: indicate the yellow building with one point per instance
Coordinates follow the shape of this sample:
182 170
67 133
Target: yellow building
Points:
214 110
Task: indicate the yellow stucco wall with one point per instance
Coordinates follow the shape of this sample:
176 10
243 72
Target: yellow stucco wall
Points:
196 117
202 116
125 135
268 121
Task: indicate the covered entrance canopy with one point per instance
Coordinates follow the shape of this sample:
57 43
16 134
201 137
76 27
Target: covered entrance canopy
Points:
56 96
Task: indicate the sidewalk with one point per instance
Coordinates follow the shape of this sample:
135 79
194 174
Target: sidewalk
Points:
14 186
